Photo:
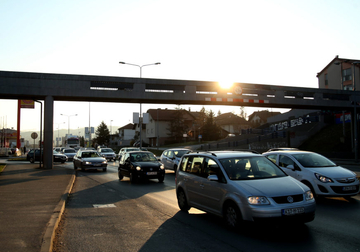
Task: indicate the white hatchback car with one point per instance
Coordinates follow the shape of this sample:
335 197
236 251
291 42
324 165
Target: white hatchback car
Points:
319 173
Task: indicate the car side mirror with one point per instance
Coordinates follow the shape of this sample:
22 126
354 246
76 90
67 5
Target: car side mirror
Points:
213 178
291 167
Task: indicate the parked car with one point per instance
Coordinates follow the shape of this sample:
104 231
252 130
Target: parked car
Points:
319 173
124 150
171 157
241 186
107 153
69 152
57 149
140 165
89 159
57 157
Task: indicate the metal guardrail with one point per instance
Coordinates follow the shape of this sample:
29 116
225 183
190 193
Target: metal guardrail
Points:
243 142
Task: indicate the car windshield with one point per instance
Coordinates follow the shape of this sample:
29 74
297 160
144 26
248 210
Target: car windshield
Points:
142 157
180 153
313 160
106 150
90 154
55 152
245 168
134 149
69 151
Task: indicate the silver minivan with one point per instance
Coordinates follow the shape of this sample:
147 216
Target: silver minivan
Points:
241 186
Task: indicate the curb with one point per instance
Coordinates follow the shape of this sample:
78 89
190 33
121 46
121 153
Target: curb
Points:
48 238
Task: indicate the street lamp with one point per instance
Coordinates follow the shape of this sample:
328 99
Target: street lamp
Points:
58 128
355 115
140 66
68 121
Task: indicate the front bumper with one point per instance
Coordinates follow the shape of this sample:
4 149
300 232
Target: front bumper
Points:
337 189
93 166
274 212
147 175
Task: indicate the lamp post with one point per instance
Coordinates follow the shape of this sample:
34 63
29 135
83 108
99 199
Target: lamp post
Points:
58 128
355 114
140 66
68 121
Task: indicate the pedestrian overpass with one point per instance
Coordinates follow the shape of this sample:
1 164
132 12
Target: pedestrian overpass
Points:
66 87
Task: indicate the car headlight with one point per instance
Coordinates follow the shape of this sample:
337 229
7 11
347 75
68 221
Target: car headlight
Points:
138 168
323 178
162 167
258 200
309 195
104 162
87 162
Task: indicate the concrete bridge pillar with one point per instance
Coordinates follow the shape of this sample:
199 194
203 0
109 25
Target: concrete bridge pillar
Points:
48 132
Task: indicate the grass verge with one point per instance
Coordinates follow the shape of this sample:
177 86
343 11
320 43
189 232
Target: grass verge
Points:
2 167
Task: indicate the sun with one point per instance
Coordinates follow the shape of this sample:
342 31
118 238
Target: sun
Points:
226 84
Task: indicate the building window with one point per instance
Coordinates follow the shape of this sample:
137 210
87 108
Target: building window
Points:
346 73
348 87
326 80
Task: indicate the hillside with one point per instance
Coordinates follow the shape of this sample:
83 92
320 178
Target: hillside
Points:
331 142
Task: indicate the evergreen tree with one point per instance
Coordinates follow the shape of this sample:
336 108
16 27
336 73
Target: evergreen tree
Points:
211 131
102 134
200 121
177 124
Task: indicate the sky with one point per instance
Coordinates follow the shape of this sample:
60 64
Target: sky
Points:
274 42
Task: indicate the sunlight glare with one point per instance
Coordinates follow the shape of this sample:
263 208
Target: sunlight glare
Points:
226 84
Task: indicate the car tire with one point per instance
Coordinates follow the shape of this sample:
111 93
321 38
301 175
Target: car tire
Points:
120 175
31 160
104 169
232 215
132 178
75 168
161 178
175 167
182 202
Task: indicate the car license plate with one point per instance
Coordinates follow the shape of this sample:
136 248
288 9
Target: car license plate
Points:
293 211
97 164
151 173
349 188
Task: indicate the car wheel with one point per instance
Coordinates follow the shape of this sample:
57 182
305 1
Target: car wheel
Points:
75 167
120 175
175 167
132 178
31 160
104 169
232 215
161 179
182 202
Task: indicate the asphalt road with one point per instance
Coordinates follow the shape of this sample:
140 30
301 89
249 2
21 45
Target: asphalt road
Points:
105 214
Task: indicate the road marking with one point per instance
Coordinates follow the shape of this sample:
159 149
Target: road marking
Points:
103 205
